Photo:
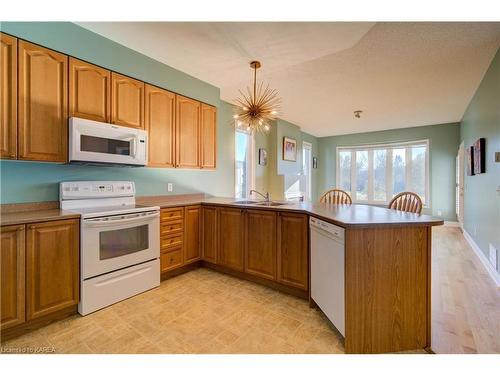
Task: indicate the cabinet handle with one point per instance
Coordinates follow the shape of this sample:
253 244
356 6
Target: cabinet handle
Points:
32 227
20 229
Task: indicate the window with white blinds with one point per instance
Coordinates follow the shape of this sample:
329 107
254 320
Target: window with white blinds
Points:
376 173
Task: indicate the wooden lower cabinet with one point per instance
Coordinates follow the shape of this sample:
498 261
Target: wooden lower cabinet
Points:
231 238
52 267
170 259
293 250
260 249
12 262
209 233
192 222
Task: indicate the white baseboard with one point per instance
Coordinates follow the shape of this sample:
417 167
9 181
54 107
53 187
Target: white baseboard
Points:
451 224
486 263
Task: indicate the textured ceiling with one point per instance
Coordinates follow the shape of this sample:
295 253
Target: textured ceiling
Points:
398 74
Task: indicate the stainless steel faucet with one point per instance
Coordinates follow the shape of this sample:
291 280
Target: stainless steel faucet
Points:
266 197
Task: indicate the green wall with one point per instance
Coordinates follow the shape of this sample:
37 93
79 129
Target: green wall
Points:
443 143
31 181
481 200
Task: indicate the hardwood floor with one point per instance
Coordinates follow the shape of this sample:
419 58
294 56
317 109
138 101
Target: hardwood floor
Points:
207 312
465 301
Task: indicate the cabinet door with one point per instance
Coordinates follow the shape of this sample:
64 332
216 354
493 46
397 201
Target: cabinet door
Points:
127 101
293 249
260 250
13 275
89 91
208 132
8 97
42 103
187 132
209 234
192 234
160 124
231 238
52 257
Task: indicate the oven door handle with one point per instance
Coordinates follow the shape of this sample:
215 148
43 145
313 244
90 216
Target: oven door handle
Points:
101 222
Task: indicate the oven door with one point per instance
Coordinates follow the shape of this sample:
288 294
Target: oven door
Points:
97 142
115 242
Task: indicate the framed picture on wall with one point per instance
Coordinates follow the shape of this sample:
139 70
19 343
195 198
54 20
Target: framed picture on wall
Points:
289 149
470 161
315 162
479 156
262 156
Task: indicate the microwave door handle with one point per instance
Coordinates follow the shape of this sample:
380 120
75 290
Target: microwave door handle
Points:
133 147
103 223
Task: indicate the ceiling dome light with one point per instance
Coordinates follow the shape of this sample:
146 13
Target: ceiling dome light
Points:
255 109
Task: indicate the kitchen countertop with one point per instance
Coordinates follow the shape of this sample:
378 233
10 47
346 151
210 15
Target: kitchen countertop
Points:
342 215
36 216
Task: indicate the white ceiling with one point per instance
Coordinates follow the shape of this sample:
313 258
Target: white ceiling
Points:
399 74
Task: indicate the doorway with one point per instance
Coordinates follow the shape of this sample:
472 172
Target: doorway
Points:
307 169
459 183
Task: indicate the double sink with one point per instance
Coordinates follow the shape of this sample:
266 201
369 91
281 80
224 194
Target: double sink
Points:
262 203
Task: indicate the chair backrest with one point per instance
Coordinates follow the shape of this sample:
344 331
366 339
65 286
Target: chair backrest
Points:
406 201
336 196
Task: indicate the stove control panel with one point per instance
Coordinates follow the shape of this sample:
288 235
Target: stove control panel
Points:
95 189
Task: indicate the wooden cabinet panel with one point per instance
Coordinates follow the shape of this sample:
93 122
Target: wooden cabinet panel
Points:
169 228
127 101
52 258
12 253
169 242
293 266
8 97
209 234
42 103
187 132
260 250
170 259
208 133
387 289
169 214
89 91
231 238
192 223
160 124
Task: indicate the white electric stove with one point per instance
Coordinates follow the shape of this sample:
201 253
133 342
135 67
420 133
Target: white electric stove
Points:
119 241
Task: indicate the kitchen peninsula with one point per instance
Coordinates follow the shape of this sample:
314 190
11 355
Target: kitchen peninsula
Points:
387 257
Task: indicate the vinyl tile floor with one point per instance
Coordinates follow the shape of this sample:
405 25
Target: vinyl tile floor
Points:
202 311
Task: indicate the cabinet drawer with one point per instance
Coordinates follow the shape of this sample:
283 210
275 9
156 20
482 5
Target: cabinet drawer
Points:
171 241
168 214
171 227
171 259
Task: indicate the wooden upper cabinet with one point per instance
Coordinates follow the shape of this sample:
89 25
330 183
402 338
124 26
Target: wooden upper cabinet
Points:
8 96
52 258
260 250
127 101
160 124
231 238
187 131
89 91
208 131
42 103
293 265
192 222
13 275
209 234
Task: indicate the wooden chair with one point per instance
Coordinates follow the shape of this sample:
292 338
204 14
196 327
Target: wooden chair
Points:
406 201
336 196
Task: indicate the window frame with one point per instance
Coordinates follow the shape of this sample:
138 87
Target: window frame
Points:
388 181
250 165
308 180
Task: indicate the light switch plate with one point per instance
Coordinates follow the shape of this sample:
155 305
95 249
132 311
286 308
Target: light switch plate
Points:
170 187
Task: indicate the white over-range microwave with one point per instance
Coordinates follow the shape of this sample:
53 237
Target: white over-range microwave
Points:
96 142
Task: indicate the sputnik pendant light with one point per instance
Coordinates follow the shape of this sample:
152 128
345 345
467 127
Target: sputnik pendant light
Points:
255 109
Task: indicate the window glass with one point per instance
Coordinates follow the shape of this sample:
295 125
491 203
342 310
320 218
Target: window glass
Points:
398 170
417 182
361 175
345 170
379 175
242 172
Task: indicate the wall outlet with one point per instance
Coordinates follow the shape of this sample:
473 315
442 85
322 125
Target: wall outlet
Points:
493 256
170 187
440 213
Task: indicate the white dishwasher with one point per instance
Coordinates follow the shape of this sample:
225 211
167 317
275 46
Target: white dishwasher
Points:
327 270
